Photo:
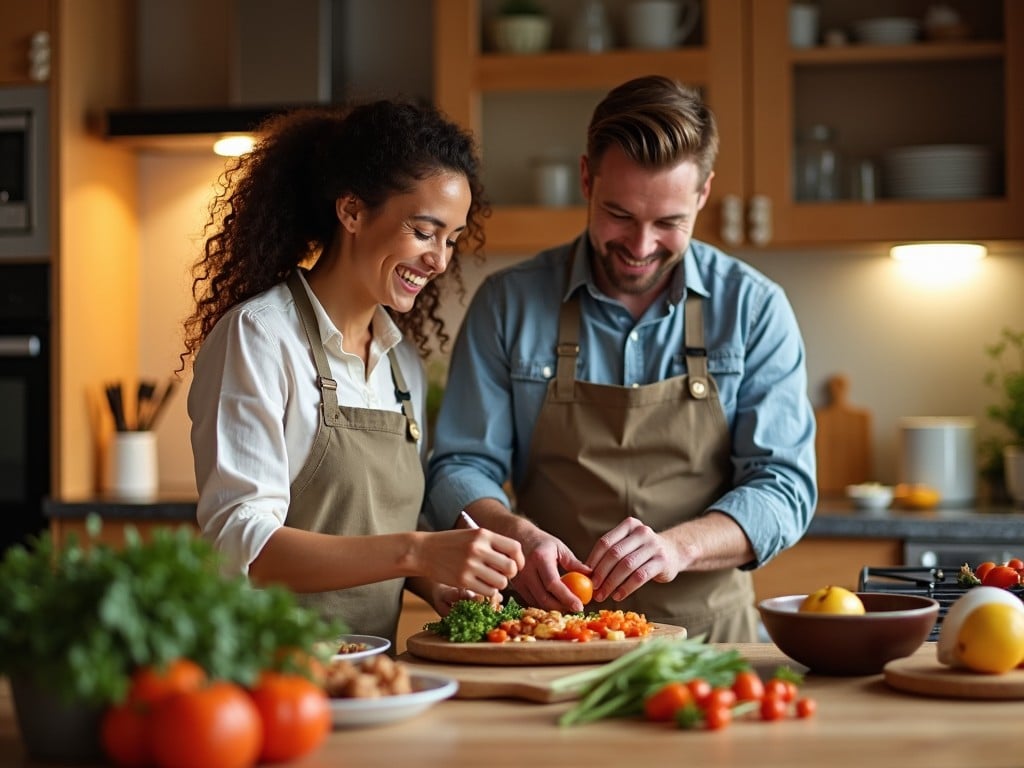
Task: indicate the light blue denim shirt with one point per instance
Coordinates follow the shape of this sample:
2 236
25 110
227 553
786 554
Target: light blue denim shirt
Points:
504 357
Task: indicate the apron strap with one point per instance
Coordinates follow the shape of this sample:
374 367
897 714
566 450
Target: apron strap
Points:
402 393
695 351
328 386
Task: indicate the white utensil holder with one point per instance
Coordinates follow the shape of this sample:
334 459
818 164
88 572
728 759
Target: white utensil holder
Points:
133 471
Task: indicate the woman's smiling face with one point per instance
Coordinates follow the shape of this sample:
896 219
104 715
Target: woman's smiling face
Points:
398 248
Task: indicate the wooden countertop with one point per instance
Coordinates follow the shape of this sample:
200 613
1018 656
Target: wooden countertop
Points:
861 722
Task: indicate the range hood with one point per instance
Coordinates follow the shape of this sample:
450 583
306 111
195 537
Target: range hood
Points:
279 56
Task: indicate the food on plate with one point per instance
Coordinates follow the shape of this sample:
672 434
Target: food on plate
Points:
375 677
983 631
580 585
470 621
352 648
832 599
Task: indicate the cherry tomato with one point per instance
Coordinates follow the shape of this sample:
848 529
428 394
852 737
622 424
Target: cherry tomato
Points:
664 703
699 690
983 568
151 684
1016 563
748 686
806 708
296 715
125 737
1001 576
784 690
497 635
717 717
772 708
580 585
719 698
218 725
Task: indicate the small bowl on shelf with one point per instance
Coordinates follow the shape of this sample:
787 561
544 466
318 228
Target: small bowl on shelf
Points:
873 496
893 625
889 30
521 34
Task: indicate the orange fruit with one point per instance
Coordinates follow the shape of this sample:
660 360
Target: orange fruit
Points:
832 599
580 585
991 638
916 496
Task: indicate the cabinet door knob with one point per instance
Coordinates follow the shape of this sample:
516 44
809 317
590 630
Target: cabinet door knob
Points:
760 215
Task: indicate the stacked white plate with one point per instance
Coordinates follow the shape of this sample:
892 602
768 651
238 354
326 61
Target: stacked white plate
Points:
951 171
889 30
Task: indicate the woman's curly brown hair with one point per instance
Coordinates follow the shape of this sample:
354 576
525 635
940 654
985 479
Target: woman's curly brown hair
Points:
275 206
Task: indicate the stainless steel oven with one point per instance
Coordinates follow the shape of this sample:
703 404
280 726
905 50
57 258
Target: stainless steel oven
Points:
25 324
24 172
953 554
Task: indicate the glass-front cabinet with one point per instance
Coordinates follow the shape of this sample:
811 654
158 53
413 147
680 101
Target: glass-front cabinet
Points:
890 120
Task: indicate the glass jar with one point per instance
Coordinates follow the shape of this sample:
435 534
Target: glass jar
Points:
591 31
816 164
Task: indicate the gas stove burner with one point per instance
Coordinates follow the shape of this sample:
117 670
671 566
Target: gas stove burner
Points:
940 584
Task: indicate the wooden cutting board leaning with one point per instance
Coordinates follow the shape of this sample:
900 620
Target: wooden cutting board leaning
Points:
924 675
843 441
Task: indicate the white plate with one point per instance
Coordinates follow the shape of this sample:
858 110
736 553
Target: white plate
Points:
427 691
374 645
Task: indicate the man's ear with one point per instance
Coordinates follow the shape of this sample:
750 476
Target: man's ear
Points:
705 192
349 209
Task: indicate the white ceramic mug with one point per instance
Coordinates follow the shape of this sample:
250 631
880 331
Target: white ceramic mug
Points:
134 465
940 452
803 25
553 182
657 24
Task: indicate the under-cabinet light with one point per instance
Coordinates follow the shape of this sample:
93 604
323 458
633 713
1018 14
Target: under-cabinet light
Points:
939 253
234 145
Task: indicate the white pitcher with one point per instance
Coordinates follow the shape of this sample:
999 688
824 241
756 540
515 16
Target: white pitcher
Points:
659 24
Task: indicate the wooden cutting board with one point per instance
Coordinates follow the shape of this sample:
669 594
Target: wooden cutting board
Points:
926 676
843 441
427 645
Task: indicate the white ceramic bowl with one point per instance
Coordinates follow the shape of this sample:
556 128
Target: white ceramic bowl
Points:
887 31
870 495
521 34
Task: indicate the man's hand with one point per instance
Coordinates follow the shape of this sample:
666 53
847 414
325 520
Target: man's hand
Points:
627 557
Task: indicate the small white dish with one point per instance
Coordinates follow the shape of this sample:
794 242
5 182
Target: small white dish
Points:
887 30
427 691
870 495
374 645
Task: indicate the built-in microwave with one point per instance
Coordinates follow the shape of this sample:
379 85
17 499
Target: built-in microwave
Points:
24 172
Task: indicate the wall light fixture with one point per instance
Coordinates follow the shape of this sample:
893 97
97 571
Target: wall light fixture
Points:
234 144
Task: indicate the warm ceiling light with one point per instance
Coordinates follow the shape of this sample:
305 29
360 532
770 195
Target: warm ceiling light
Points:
235 145
939 253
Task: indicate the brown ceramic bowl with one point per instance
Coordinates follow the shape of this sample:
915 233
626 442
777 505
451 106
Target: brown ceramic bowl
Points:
893 626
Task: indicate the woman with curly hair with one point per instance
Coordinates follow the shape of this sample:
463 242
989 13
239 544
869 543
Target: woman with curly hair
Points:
316 297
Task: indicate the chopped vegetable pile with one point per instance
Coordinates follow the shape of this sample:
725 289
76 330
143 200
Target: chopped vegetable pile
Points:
469 621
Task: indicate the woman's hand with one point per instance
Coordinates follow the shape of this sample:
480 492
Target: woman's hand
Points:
444 596
478 560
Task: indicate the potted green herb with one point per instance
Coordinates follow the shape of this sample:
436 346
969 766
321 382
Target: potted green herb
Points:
75 623
521 27
1006 378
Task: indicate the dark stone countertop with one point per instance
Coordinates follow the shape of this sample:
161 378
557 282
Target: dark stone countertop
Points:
834 519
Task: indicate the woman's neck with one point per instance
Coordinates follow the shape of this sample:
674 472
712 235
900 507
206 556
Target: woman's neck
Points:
352 314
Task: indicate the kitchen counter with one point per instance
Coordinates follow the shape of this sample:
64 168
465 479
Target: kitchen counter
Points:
860 722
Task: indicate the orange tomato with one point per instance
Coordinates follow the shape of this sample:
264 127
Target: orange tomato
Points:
124 735
151 684
748 686
664 703
580 585
983 568
296 715
217 725
1001 576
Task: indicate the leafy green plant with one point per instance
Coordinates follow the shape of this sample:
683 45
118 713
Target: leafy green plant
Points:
1006 379
469 621
81 619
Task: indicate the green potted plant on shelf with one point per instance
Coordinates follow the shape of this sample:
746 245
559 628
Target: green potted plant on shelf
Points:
521 26
76 622
1003 460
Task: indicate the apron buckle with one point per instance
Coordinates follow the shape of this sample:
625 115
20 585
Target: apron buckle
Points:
567 349
414 430
698 388
327 383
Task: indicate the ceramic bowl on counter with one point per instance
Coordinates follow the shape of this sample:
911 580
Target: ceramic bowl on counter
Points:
893 626
870 495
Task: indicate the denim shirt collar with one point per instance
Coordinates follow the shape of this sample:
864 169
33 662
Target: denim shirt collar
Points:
683 280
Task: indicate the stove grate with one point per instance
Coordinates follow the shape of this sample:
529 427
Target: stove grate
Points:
940 584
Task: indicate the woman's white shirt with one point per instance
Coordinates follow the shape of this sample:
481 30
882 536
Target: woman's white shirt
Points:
255 409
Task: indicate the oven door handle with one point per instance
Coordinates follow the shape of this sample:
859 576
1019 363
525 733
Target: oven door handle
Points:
20 346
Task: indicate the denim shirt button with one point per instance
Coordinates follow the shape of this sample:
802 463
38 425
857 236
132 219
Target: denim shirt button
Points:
546 371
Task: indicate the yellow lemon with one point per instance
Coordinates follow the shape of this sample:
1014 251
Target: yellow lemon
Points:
991 638
916 496
832 599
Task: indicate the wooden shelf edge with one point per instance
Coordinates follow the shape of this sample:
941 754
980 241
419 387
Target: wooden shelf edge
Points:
890 54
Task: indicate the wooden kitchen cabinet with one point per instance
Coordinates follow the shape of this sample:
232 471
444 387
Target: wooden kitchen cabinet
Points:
762 92
19 21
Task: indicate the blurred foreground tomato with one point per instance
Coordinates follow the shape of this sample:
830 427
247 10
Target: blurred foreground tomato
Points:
124 735
150 684
296 715
215 726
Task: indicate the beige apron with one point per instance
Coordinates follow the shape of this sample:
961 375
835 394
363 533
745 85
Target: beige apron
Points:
363 477
658 452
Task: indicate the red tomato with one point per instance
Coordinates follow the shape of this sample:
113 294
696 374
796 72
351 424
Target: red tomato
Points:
1001 576
150 684
806 708
497 635
718 698
124 735
699 690
784 690
717 717
748 686
664 703
296 715
1016 563
218 725
983 568
772 708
